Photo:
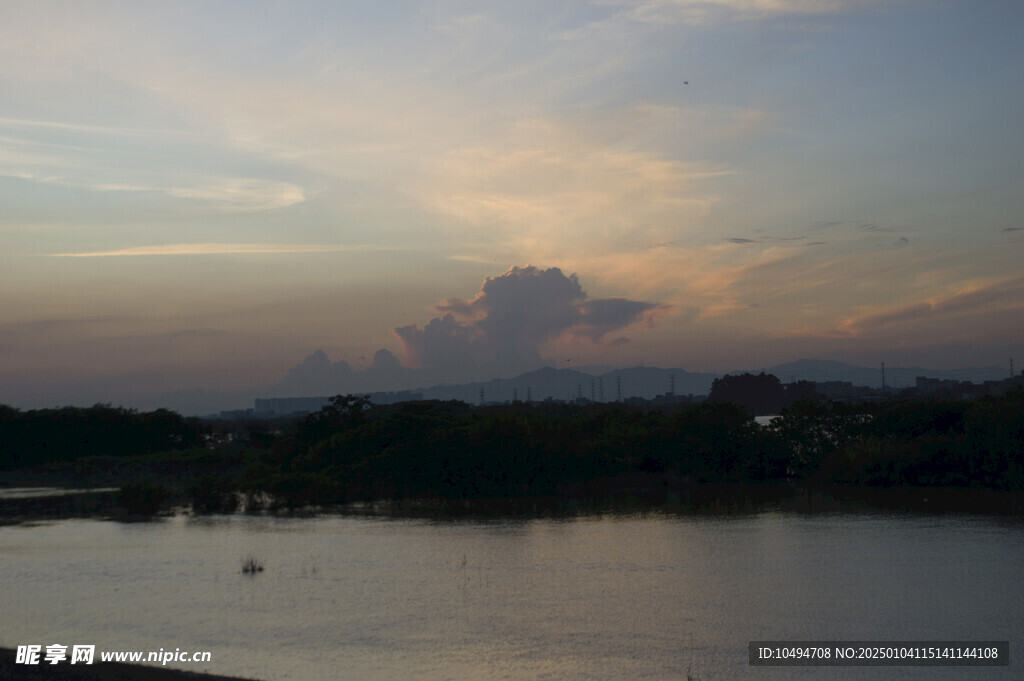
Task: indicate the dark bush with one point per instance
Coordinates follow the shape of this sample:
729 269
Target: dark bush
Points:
142 498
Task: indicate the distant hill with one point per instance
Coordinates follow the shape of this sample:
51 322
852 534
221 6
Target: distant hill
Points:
568 384
318 377
819 370
648 382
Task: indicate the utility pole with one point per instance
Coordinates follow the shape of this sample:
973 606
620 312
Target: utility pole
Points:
671 385
883 377
618 383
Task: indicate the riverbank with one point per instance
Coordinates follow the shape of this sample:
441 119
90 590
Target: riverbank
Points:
101 671
625 497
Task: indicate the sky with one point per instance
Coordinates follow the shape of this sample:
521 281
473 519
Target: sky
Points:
199 196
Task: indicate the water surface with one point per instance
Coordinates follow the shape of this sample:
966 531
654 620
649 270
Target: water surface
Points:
646 596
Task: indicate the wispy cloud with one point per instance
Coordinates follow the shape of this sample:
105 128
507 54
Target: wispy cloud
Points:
195 169
710 11
550 193
984 296
238 194
210 249
93 130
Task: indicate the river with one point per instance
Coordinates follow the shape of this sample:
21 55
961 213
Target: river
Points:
615 596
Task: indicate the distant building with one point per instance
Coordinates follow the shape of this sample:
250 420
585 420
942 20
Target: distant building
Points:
845 391
1004 386
935 387
835 389
931 386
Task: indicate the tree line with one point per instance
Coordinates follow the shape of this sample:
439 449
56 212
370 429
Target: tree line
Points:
352 450
36 437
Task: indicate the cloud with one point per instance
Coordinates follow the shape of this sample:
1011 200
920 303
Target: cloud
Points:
993 296
231 194
315 375
851 225
765 239
712 11
208 249
541 189
222 195
197 170
502 329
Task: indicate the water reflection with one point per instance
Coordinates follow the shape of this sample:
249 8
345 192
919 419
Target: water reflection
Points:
705 499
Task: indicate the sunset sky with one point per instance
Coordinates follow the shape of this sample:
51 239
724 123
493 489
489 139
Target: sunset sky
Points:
199 195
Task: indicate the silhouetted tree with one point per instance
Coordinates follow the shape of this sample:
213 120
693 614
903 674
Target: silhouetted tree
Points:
761 394
800 390
813 429
344 412
40 436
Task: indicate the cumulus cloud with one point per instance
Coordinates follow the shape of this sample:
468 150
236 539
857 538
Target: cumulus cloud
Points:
500 331
317 375
504 326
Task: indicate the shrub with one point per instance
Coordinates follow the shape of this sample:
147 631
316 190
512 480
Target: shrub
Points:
142 498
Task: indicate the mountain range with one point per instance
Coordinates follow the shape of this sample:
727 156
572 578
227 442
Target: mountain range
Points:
600 383
649 382
568 384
